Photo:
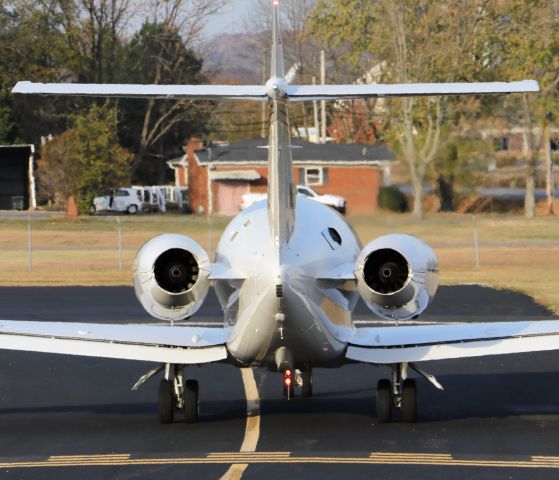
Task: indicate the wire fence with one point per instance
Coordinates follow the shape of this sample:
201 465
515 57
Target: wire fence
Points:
36 250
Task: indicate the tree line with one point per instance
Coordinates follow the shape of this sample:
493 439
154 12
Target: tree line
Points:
438 138
100 41
451 41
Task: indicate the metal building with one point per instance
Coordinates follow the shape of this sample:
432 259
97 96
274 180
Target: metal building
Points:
17 178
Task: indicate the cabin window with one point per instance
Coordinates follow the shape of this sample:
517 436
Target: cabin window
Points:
333 238
501 144
316 176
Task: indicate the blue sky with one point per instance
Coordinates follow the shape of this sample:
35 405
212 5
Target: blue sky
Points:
232 18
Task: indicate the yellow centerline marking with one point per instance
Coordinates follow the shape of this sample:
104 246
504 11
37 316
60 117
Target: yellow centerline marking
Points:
252 428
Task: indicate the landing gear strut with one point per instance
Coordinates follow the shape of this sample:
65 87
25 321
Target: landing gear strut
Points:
400 394
176 394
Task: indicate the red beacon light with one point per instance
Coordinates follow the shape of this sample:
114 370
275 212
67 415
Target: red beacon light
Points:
287 378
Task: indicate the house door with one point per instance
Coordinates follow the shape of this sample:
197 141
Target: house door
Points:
229 196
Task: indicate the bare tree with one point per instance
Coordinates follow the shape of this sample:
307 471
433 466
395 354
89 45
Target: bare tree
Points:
532 32
429 43
188 17
177 25
102 23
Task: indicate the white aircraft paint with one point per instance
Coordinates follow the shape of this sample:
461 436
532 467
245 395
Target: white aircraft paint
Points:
288 271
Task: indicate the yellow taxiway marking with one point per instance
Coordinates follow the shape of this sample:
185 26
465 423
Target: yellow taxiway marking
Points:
427 456
248 454
249 458
72 458
252 428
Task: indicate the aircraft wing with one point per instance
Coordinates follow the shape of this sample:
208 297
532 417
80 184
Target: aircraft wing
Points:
301 93
193 92
153 343
386 345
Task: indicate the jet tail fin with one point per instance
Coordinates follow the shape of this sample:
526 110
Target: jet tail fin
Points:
281 189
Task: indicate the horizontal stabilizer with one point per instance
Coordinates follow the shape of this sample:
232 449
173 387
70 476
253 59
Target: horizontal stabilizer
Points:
194 92
437 342
153 343
293 93
300 93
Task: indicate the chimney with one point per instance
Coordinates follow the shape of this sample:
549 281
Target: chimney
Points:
194 145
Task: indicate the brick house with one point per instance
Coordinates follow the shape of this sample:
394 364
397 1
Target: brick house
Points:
217 177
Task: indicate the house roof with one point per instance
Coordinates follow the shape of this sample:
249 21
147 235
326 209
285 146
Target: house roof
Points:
6 150
247 175
256 152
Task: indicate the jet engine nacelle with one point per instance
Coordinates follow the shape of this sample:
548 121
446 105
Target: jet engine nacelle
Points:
171 276
397 276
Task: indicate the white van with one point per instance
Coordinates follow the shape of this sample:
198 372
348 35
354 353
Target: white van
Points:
123 200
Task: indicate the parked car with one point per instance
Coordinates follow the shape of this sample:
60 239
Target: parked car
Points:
334 201
123 200
248 199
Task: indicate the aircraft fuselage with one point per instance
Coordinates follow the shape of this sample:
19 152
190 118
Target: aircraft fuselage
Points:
283 302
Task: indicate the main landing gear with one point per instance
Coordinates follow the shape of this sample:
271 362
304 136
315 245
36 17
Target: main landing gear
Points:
176 394
297 378
400 394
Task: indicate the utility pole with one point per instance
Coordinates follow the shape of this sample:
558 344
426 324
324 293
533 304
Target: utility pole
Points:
323 102
264 104
315 111
549 176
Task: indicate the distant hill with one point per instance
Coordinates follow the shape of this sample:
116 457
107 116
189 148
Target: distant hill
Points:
233 58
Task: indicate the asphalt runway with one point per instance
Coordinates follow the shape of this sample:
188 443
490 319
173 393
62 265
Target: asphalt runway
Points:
71 417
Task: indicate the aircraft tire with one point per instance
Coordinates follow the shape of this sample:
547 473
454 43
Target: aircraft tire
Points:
190 397
384 400
307 383
409 401
166 402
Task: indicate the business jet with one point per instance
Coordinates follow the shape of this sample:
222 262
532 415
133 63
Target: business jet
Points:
288 273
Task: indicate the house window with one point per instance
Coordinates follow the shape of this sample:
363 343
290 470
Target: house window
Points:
315 176
501 144
554 144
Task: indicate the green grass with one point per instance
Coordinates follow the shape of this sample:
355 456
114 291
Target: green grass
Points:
84 251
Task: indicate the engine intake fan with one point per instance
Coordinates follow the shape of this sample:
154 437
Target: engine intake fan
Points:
397 276
171 277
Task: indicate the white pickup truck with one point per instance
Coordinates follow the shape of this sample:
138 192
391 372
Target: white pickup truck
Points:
335 201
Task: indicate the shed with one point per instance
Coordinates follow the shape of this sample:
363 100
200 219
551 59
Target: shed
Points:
17 177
